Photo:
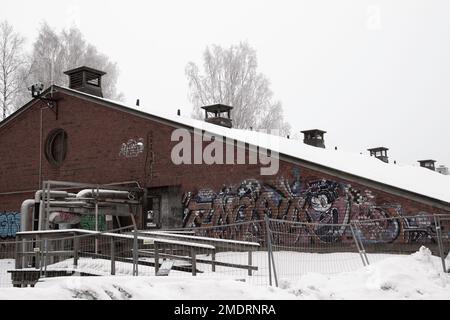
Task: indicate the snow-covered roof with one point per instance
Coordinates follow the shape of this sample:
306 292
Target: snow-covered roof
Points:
410 178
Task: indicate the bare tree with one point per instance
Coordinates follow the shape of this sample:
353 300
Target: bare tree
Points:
55 53
11 62
230 77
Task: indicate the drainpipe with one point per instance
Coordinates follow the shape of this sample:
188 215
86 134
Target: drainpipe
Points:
25 214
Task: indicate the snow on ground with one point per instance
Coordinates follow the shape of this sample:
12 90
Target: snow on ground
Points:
288 264
416 276
141 288
100 267
5 278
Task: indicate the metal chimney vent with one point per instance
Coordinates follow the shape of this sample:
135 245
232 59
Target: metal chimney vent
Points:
218 114
379 153
429 164
86 80
314 138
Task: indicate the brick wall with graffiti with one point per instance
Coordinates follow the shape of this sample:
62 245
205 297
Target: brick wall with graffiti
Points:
325 202
9 225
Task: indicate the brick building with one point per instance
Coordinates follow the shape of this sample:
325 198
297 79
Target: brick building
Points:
83 137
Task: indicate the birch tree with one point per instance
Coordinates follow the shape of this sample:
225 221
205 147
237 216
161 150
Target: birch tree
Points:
53 53
230 77
11 62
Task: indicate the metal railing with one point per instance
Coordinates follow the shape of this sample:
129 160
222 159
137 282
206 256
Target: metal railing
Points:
262 252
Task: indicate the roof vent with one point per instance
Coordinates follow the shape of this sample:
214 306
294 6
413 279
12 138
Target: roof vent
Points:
429 164
86 80
218 114
379 153
314 138
443 170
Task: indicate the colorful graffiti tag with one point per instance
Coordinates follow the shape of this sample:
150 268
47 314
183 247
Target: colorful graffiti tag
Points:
9 224
87 222
328 205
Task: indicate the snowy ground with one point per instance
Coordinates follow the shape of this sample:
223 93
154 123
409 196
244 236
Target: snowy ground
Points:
5 278
289 265
416 276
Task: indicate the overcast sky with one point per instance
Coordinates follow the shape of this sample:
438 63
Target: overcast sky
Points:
371 73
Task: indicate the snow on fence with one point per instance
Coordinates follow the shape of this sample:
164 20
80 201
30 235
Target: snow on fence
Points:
262 252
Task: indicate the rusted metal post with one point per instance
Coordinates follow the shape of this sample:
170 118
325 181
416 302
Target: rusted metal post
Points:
213 261
249 263
135 252
156 248
194 262
18 255
76 248
113 257
37 251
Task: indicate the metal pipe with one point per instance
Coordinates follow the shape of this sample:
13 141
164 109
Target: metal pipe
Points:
113 194
73 203
72 188
68 204
53 194
25 214
38 196
91 211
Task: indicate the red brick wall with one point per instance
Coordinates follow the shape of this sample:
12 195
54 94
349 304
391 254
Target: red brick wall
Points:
96 134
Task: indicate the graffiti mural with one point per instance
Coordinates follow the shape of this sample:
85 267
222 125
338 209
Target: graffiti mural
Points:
9 224
326 207
132 148
87 222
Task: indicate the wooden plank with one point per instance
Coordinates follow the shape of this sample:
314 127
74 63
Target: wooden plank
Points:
51 253
165 267
187 258
219 243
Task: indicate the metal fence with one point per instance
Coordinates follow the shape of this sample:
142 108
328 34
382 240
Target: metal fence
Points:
261 252
299 248
442 224
237 251
404 235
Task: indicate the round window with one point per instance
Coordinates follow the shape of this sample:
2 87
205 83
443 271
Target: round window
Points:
56 146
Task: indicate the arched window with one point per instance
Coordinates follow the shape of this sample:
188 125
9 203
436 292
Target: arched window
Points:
56 146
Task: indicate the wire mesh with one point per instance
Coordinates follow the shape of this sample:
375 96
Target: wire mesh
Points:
7 261
235 251
398 235
300 248
443 222
257 252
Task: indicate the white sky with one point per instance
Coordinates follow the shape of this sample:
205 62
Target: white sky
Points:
371 73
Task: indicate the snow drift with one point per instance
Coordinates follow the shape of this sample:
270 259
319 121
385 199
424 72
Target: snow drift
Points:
417 276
